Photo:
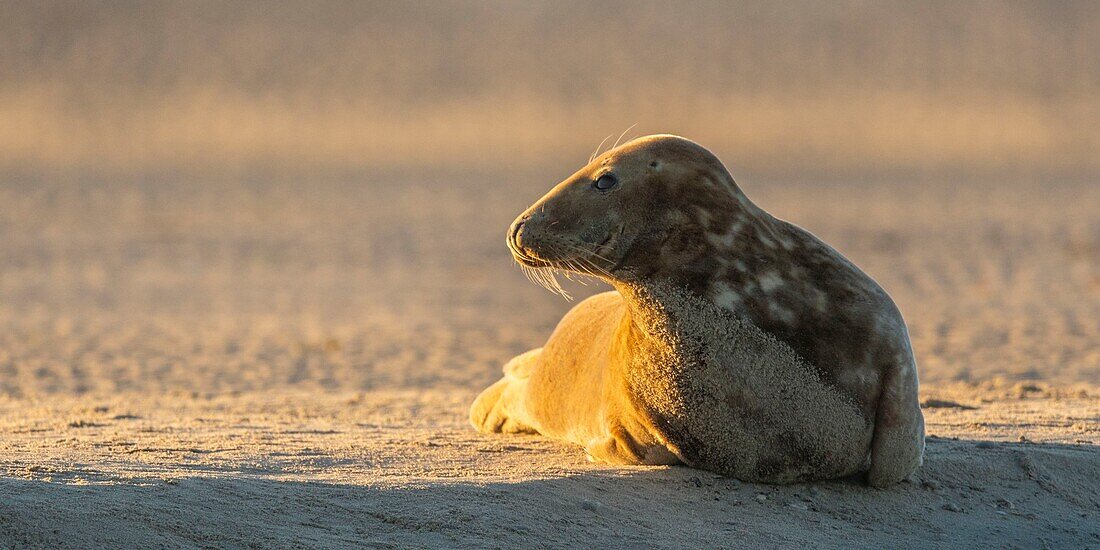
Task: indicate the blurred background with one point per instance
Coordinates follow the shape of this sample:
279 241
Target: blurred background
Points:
821 89
216 196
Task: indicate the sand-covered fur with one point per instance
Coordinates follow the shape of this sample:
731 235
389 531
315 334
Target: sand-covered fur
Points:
734 341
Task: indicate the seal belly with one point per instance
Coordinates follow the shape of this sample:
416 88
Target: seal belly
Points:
739 426
779 438
735 400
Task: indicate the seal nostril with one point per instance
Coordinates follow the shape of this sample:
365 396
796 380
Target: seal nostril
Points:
516 228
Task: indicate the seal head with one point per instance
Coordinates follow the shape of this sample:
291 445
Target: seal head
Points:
659 193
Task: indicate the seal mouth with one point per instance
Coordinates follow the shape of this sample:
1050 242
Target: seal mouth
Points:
530 261
568 259
519 254
602 250
606 240
525 258
583 254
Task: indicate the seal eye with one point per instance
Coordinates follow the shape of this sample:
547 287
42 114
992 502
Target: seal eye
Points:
605 182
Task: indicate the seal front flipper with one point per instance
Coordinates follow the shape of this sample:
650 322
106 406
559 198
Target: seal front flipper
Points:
620 447
499 408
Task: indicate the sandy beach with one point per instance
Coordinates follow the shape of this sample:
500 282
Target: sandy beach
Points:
290 364
253 269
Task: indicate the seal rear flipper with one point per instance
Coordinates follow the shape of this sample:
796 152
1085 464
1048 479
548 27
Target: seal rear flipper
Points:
897 448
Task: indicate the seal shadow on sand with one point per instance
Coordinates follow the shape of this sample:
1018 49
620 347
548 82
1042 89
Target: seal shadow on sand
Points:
968 492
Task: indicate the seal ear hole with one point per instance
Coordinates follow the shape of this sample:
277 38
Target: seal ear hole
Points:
655 164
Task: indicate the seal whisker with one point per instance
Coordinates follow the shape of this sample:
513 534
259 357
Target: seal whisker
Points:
589 262
546 278
597 151
598 255
575 273
588 267
623 134
542 276
600 270
581 266
578 248
597 268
